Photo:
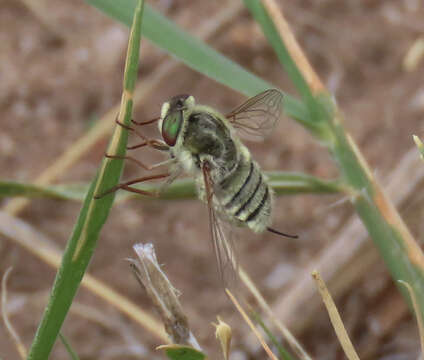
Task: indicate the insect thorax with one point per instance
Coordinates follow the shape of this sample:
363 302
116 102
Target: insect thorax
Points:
208 138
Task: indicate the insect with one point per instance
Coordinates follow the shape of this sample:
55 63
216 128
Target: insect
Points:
206 144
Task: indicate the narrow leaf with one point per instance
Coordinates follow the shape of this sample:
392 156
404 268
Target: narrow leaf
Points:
93 214
284 354
195 53
181 352
402 255
251 325
283 183
73 355
317 113
335 318
258 11
418 314
65 192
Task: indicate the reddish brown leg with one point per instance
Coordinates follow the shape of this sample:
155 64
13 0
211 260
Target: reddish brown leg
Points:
133 147
156 144
130 158
129 128
139 163
141 123
126 186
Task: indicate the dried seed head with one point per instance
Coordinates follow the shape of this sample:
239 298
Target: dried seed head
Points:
223 333
163 295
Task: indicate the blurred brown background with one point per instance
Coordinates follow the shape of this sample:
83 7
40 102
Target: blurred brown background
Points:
61 72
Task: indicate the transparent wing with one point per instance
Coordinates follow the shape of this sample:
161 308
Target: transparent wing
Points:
222 244
256 118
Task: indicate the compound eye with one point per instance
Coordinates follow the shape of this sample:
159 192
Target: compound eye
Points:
171 127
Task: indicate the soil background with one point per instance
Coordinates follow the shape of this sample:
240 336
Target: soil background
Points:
61 72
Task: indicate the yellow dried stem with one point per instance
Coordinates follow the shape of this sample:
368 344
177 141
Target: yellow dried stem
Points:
335 318
414 55
293 47
379 199
294 344
417 312
252 327
11 331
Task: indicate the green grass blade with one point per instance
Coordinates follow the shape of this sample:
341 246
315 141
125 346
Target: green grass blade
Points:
292 183
195 53
314 120
81 245
400 251
72 354
420 320
182 352
185 47
284 354
257 10
62 192
283 183
402 255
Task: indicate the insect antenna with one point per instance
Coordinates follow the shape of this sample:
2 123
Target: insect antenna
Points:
281 233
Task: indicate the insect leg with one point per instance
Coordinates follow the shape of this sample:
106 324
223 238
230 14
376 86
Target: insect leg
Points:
139 163
129 128
130 158
156 144
126 186
141 123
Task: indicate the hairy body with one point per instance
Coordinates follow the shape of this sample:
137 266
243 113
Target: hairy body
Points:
241 192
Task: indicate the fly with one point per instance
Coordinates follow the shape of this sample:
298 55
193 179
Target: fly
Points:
206 144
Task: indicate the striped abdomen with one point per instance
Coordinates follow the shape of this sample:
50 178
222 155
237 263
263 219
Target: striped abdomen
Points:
245 195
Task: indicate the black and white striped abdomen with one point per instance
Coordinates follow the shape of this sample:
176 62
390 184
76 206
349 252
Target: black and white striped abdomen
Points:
245 196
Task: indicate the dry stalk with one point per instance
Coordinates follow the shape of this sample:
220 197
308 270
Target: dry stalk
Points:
287 335
39 244
252 327
20 347
293 46
163 295
377 196
417 313
39 9
414 55
335 318
296 307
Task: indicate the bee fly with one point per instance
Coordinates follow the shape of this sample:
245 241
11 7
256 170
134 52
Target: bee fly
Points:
205 144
